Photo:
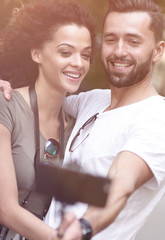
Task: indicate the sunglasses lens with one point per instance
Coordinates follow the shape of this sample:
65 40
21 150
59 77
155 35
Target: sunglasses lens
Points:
52 147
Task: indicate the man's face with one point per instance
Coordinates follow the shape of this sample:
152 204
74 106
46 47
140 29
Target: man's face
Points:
128 48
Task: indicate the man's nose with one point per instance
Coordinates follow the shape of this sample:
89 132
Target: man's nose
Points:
120 49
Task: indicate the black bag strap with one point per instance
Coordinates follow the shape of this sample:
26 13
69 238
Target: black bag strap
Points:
34 106
29 201
61 154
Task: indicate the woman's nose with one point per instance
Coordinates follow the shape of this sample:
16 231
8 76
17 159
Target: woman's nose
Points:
77 60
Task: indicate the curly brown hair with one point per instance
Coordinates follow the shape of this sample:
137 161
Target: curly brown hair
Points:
30 27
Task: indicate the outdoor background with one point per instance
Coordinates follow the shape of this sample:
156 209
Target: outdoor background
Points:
154 228
96 77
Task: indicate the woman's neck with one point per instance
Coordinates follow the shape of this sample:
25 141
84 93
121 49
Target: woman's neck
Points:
49 106
49 101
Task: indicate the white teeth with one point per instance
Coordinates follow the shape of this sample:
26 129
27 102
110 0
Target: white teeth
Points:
121 64
73 75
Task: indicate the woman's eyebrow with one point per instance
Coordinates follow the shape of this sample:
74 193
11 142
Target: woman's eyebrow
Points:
71 46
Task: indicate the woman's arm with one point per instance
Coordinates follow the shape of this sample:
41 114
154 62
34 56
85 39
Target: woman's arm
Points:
12 215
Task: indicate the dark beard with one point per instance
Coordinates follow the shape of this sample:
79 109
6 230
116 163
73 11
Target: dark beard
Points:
137 75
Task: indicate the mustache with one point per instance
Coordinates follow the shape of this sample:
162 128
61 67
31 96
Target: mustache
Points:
120 59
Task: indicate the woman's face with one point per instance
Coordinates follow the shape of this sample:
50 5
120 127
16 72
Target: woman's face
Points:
65 59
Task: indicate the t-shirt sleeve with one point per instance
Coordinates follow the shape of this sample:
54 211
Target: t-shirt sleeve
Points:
147 140
74 103
6 109
86 102
71 105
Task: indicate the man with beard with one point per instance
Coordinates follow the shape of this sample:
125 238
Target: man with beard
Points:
125 140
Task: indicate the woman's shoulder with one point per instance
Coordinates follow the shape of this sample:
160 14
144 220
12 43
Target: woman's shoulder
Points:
23 93
16 102
16 93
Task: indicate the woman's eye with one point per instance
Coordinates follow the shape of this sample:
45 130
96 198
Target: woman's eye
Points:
65 53
86 56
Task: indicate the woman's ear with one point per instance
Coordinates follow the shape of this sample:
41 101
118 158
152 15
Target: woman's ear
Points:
159 51
35 54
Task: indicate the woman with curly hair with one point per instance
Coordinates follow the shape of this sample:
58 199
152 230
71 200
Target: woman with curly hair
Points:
48 46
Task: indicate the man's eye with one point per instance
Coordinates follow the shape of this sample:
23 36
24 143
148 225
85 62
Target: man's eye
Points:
110 40
134 42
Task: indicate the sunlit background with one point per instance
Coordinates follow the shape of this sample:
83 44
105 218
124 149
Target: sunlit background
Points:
96 77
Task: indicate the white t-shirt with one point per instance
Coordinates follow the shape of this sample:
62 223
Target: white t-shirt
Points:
138 128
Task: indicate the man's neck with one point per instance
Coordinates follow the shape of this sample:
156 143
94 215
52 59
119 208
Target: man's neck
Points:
124 96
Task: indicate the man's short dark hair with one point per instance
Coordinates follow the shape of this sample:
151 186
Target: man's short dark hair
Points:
149 6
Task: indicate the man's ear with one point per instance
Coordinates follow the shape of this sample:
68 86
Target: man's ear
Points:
35 54
159 51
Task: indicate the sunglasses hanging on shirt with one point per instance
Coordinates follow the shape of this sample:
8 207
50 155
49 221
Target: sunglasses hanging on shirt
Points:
76 142
53 148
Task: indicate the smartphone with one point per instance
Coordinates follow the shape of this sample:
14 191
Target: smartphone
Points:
71 186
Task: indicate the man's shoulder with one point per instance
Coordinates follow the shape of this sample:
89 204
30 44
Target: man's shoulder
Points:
98 91
155 105
95 94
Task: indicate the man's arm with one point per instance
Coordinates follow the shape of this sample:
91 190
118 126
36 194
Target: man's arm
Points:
127 173
6 87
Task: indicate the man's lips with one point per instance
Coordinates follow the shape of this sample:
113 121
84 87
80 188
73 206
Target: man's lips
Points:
120 65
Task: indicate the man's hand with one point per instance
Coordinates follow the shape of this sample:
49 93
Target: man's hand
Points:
127 173
70 228
6 88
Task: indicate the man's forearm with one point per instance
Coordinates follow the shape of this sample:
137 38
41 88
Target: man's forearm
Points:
100 218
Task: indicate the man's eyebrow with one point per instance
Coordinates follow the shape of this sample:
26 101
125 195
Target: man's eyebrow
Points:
108 34
111 34
135 35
